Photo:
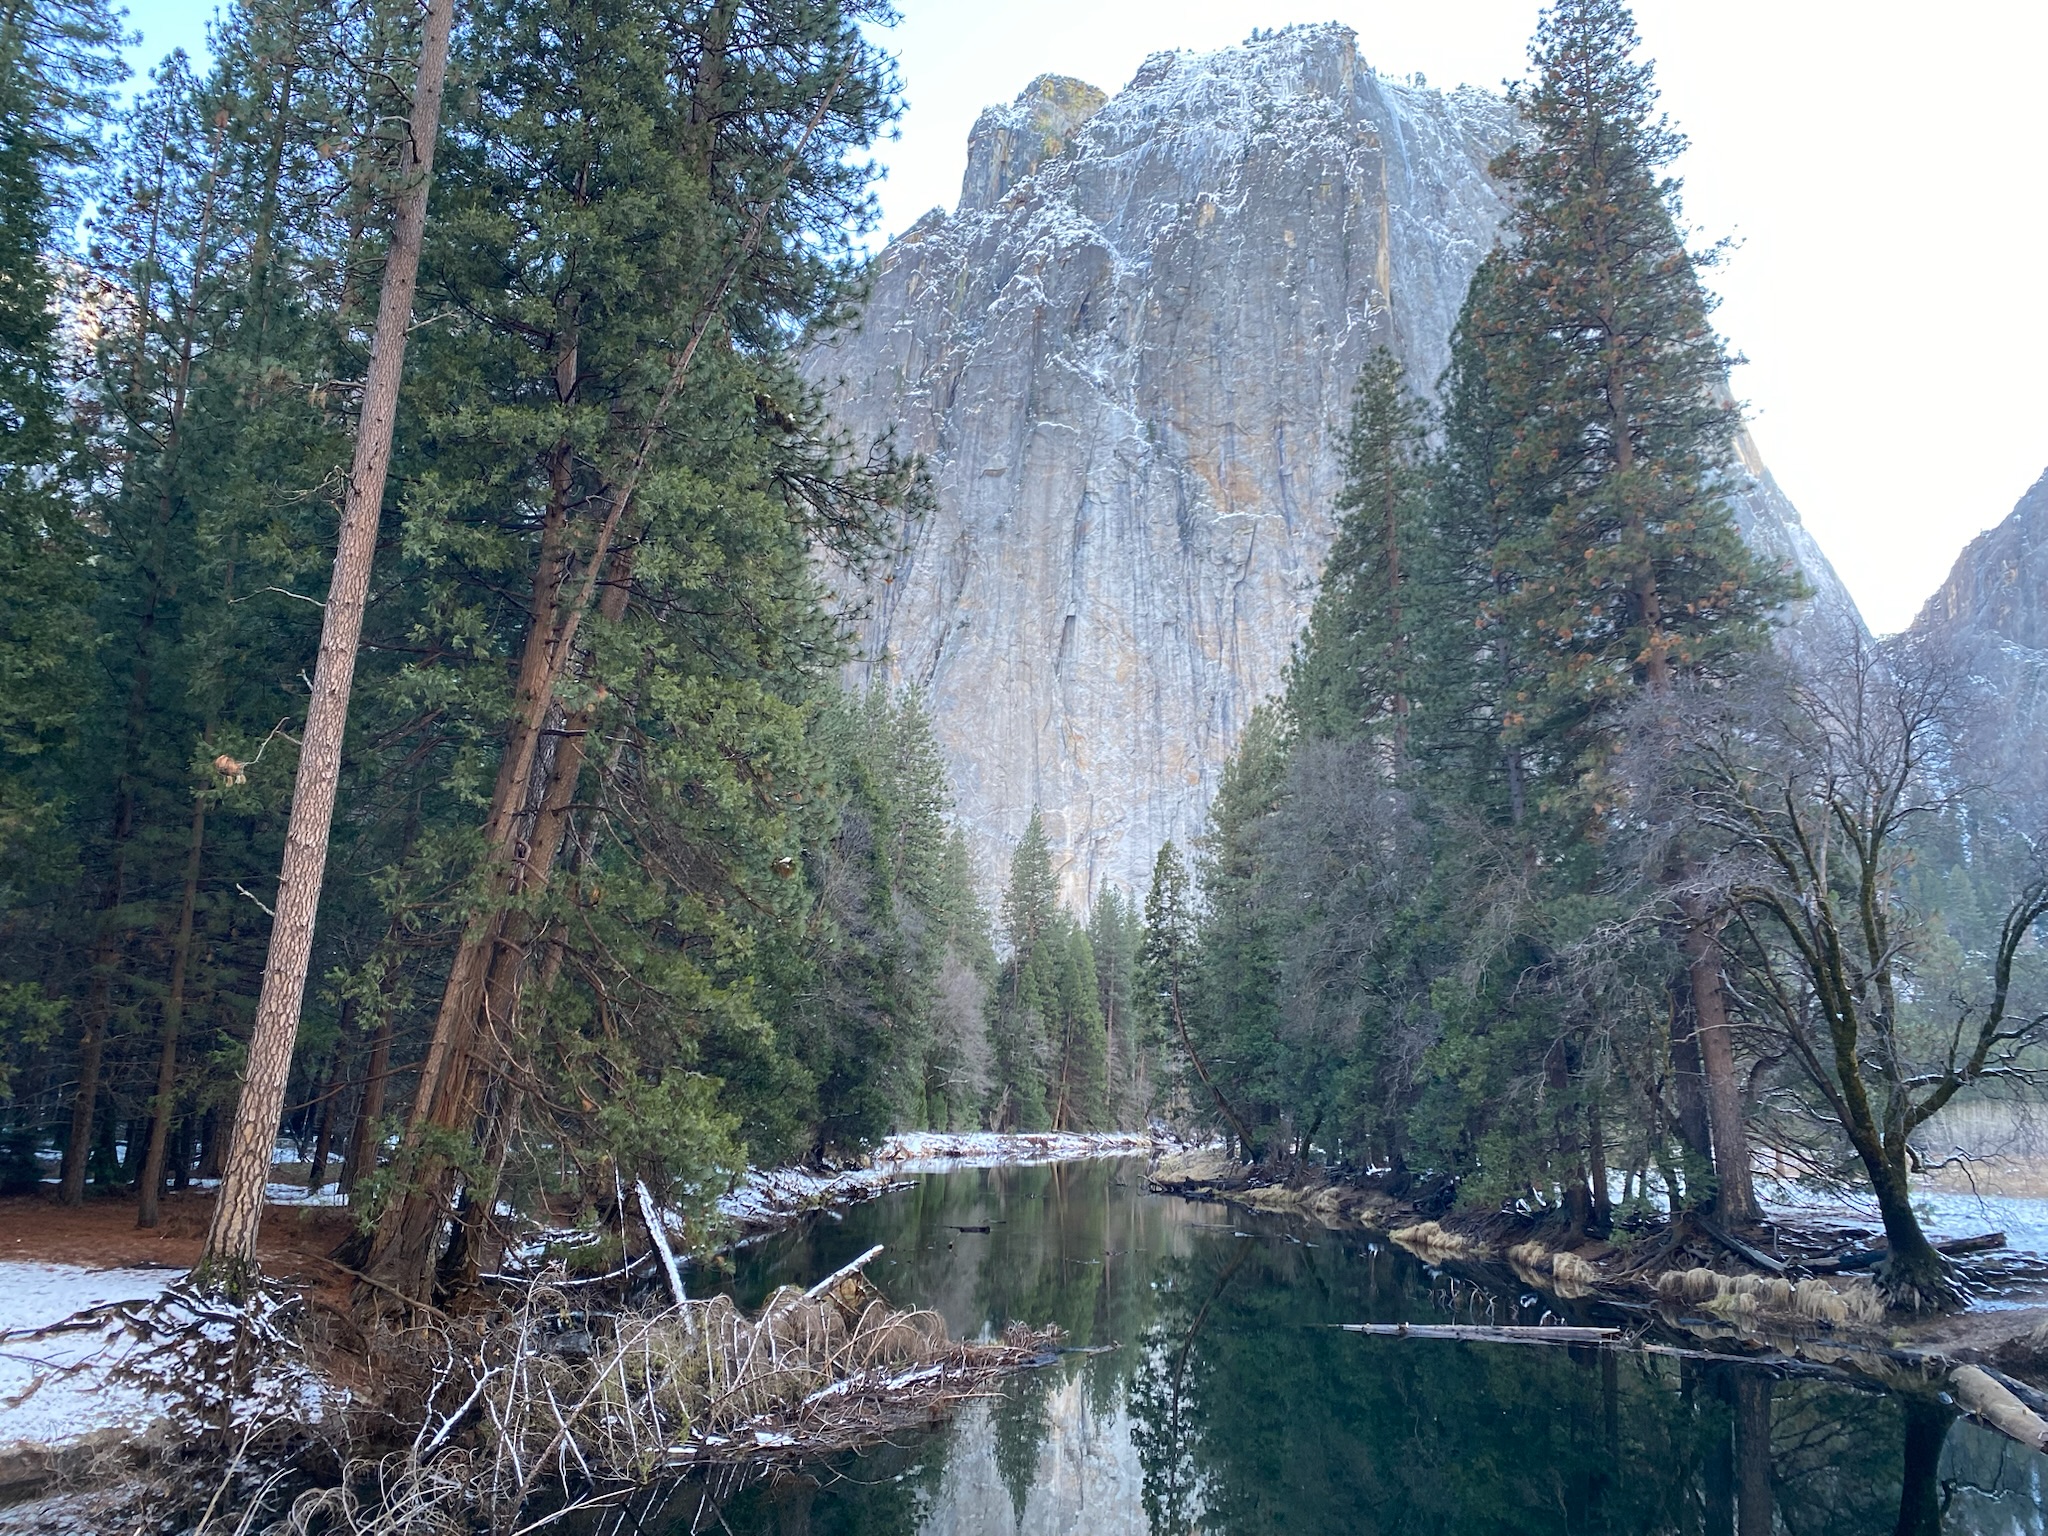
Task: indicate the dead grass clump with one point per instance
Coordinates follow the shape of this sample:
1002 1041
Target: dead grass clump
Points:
1818 1302
1863 1302
553 1399
1430 1240
1565 1273
1326 1204
1570 1269
1698 1285
1737 1306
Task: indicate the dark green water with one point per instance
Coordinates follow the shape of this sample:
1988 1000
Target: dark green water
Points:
1230 1408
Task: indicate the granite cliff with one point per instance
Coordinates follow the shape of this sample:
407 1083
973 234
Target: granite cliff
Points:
1127 357
1991 616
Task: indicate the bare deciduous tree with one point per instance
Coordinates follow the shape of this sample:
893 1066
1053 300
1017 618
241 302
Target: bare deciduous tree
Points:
1819 788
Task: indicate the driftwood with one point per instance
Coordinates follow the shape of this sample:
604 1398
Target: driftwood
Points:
1869 1258
1739 1248
1509 1334
1984 1396
652 1216
843 1272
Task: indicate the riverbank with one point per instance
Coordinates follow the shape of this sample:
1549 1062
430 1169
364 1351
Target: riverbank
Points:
1792 1291
109 1373
770 1198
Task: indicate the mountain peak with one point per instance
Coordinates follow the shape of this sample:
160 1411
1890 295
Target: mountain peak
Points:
1008 143
1127 361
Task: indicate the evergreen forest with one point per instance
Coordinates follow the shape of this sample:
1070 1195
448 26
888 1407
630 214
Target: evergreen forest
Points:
1560 877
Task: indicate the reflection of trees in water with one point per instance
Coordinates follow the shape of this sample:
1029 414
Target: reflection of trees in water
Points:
1161 1395
1021 1423
1835 1459
1250 1415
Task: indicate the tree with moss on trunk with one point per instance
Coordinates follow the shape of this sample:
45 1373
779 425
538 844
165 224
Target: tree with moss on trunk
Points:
1820 788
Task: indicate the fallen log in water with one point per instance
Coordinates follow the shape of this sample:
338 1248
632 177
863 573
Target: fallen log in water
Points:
1984 1396
845 1271
1505 1334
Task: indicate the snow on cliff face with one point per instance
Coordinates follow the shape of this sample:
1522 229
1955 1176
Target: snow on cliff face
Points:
1127 358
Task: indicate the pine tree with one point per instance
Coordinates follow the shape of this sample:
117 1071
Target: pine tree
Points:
1596 343
1024 1009
634 218
958 1063
1235 1017
1078 1087
1592 436
1356 667
1170 961
1115 935
57 66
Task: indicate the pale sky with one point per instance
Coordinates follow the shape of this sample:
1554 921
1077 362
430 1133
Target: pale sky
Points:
1885 166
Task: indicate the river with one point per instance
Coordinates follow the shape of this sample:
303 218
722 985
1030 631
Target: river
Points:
1229 1406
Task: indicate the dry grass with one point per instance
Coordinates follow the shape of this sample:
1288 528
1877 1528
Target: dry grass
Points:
551 1406
1743 1299
1429 1240
1566 1274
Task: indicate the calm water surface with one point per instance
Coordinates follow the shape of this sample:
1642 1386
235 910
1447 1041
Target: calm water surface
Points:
1230 1408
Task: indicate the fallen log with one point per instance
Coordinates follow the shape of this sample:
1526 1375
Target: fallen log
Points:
1739 1248
657 1231
1980 1394
1505 1334
1869 1258
845 1271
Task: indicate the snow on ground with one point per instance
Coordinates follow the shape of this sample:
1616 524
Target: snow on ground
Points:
767 1196
56 1387
1943 1214
289 1194
91 1353
939 1151
34 1295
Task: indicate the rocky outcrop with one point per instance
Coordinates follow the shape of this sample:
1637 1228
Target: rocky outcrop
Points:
1990 618
1127 358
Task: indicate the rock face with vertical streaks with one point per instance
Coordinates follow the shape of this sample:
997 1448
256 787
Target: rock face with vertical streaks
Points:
1991 618
1127 358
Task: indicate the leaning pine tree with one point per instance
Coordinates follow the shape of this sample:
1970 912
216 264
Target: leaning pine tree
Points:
620 483
1589 331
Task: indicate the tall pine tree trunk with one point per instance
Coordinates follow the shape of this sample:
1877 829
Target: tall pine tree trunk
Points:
1735 1191
228 1263
362 1141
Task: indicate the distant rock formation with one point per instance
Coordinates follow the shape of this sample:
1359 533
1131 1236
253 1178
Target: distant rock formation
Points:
1128 358
1991 616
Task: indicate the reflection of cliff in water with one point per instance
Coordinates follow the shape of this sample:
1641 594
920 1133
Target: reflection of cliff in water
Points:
1233 1409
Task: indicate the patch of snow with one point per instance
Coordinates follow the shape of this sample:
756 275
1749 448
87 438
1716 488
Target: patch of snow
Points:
57 1387
35 1295
940 1151
98 1353
289 1194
